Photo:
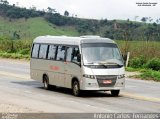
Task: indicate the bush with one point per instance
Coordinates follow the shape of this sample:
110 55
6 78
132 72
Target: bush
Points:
137 62
153 64
150 75
24 51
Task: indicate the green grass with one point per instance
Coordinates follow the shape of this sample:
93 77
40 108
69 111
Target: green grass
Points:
33 27
145 74
14 55
130 69
149 74
137 48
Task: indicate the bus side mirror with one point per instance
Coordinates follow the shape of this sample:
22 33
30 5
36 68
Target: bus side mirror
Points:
124 56
79 58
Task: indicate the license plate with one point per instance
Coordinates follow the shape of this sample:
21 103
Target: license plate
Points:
107 81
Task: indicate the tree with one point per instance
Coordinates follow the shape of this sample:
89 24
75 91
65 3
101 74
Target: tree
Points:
154 24
103 22
51 10
150 19
66 13
33 8
109 34
157 21
144 19
5 2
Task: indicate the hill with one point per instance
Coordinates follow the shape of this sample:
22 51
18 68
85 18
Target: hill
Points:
22 23
32 27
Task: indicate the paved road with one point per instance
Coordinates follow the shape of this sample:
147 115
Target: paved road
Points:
18 90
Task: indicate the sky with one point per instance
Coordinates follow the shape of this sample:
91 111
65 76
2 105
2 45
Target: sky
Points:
98 9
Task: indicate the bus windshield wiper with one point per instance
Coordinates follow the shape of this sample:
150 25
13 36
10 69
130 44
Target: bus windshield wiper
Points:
90 63
94 63
104 63
110 63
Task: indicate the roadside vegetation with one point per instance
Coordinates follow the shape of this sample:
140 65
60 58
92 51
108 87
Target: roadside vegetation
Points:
145 74
149 75
148 65
19 26
16 49
149 69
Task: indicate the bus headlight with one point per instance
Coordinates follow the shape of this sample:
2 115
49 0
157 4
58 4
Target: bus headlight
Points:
89 76
121 76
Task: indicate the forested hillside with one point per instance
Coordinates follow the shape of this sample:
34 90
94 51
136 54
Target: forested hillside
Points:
20 23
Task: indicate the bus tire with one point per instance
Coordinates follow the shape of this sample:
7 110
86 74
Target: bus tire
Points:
46 82
75 88
115 93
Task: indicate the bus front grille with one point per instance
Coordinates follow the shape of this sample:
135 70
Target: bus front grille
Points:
106 80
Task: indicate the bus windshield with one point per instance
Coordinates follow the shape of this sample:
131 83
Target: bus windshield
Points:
101 53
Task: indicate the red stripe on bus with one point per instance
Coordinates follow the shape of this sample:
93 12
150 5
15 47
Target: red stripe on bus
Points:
55 68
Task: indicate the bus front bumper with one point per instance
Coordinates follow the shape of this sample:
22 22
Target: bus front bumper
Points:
92 84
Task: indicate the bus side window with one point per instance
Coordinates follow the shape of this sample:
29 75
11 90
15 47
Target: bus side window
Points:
75 54
69 54
61 53
52 52
43 51
35 51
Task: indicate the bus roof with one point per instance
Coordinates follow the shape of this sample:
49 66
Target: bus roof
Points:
71 40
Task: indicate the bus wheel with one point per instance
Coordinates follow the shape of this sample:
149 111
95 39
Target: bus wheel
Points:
46 82
75 88
115 92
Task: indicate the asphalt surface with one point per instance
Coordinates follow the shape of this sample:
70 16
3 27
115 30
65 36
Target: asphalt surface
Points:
16 88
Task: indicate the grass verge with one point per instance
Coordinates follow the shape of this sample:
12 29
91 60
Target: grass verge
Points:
150 75
14 55
130 69
146 74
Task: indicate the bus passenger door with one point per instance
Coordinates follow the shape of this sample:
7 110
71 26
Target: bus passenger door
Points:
72 66
59 67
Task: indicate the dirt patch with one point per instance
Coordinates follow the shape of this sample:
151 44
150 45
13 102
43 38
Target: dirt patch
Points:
130 74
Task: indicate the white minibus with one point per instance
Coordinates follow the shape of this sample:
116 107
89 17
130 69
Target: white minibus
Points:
80 63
